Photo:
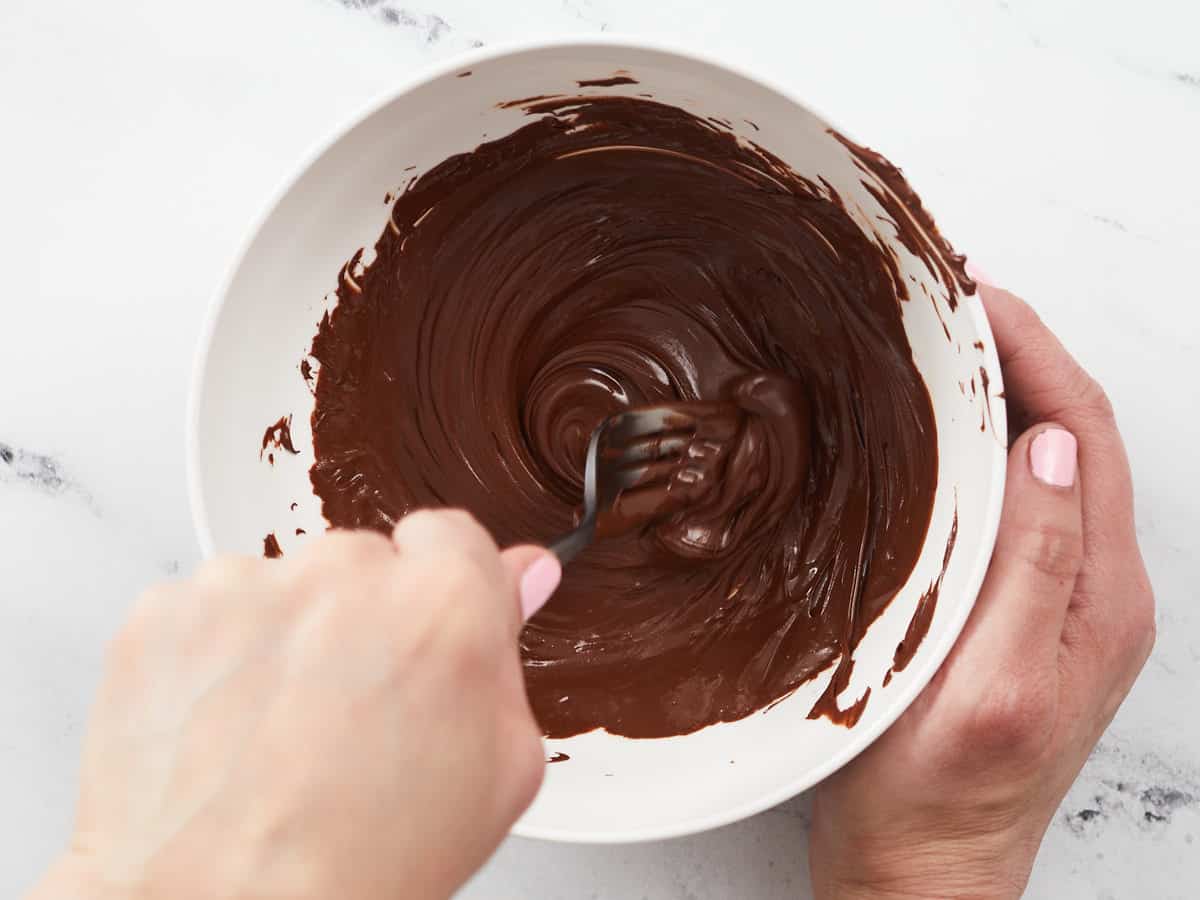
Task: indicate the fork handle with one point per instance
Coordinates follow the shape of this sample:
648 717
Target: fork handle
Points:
567 547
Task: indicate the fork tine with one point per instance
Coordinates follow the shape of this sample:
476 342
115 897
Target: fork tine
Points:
628 426
647 420
644 476
658 445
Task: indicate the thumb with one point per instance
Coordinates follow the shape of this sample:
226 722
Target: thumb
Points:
1018 619
536 572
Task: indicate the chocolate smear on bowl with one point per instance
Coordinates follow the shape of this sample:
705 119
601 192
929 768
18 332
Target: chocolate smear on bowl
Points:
278 435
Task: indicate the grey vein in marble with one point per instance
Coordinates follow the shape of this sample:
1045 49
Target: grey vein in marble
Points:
432 26
39 472
1148 793
1111 223
1156 73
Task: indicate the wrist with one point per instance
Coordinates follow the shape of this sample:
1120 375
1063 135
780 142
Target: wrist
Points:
942 885
920 866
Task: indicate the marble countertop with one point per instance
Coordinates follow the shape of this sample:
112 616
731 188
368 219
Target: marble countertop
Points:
1055 139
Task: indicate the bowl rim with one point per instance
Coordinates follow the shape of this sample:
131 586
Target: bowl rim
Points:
934 656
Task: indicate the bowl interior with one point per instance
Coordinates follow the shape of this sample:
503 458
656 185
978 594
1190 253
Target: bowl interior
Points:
248 376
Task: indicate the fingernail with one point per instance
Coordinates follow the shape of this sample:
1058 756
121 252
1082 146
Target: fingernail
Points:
977 274
1052 457
538 583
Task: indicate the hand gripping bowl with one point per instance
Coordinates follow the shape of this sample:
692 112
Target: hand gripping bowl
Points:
262 321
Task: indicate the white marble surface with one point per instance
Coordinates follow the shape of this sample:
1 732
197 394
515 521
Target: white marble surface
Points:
1056 140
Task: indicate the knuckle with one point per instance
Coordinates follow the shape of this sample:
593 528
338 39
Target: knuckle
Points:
1014 717
1085 636
227 570
339 547
140 626
1147 635
418 520
455 574
451 584
1068 387
458 575
1090 397
475 647
1143 628
1029 332
456 526
460 520
462 648
432 521
1024 315
528 767
1053 550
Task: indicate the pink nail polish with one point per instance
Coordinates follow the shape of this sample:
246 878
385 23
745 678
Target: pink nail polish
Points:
538 583
977 274
1052 457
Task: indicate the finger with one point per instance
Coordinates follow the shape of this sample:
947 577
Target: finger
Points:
438 532
1018 620
451 542
1042 379
338 548
228 571
536 572
322 564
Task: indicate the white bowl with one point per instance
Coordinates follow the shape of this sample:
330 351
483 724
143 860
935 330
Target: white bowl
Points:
262 322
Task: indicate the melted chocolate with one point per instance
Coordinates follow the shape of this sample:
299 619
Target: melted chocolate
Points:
893 192
278 435
618 78
271 548
922 617
614 253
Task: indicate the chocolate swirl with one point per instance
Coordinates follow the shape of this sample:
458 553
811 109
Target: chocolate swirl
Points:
609 254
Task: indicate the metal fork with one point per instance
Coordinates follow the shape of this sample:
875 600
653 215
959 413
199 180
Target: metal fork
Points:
634 450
